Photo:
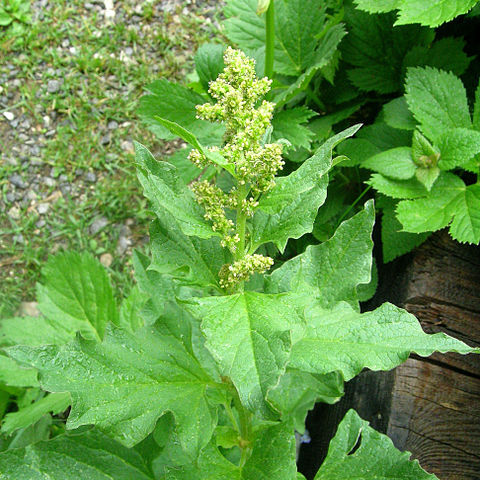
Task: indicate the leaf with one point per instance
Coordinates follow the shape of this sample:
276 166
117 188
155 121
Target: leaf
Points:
375 458
427 176
396 242
14 375
457 146
343 340
23 418
397 115
297 392
250 337
394 163
70 457
290 208
77 294
334 268
466 223
411 188
476 109
130 316
176 104
438 101
124 384
209 62
192 260
5 19
377 6
384 137
357 150
164 189
289 124
376 50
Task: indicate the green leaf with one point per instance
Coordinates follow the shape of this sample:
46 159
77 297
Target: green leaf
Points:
77 294
397 115
394 163
357 150
438 101
334 268
124 384
449 201
192 260
262 6
290 208
14 375
164 189
411 188
457 146
90 455
341 339
5 19
377 6
427 176
297 392
375 459
176 103
209 62
377 50
476 109
23 418
130 316
384 137
253 346
396 242
289 124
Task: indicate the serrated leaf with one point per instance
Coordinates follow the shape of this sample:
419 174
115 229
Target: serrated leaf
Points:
397 115
457 146
176 104
341 339
377 6
375 459
438 101
253 346
357 150
14 375
124 384
76 293
390 187
130 316
71 457
24 417
384 137
476 109
427 176
290 208
289 124
209 62
334 268
394 163
164 189
297 392
465 226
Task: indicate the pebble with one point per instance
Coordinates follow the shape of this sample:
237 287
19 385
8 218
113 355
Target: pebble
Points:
17 180
106 259
41 223
53 86
43 208
112 125
49 181
122 245
98 224
14 213
10 197
105 140
9 116
18 239
90 177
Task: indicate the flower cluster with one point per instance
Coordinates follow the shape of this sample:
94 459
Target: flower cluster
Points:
241 270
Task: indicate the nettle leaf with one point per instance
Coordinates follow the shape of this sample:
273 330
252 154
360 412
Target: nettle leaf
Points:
14 375
395 241
457 146
250 336
77 295
124 384
449 202
209 62
176 104
290 208
24 417
397 115
343 340
438 101
165 190
70 457
297 392
334 268
393 188
394 163
192 260
376 50
358 452
289 124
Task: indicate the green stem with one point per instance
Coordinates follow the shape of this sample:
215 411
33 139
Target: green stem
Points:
269 40
352 206
245 429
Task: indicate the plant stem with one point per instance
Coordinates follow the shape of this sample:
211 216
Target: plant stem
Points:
269 40
352 206
244 418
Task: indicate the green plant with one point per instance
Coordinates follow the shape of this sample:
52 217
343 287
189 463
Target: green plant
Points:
14 15
210 365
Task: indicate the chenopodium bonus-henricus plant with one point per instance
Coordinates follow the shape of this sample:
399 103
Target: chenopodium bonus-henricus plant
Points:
211 364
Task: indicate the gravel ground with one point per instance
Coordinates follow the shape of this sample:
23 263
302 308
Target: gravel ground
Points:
46 175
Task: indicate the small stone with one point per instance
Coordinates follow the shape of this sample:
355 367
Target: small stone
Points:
112 125
43 208
9 116
122 245
127 146
129 51
65 43
10 197
14 213
90 177
18 239
28 309
106 259
98 224
41 223
53 86
105 140
49 181
17 180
